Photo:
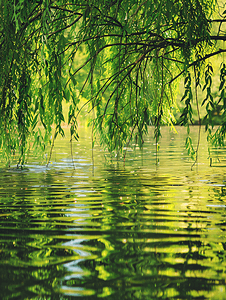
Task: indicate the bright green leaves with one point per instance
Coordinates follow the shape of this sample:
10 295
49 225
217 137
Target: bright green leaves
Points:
20 11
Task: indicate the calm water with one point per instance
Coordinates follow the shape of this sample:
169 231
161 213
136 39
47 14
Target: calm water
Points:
115 231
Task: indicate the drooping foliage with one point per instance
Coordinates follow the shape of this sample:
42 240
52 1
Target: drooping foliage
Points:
121 60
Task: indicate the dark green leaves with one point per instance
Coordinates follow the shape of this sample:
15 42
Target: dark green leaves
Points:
187 113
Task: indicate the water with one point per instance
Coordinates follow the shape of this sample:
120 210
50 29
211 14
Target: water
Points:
115 231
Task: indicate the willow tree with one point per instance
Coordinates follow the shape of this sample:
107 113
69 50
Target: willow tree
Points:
125 57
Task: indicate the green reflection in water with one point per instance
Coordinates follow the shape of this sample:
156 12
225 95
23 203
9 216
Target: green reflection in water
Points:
115 232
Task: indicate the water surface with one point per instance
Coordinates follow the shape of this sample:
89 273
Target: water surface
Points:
99 228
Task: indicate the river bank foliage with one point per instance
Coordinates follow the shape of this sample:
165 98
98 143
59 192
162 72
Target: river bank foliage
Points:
119 61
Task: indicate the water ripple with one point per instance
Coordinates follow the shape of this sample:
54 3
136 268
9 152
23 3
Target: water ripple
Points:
123 232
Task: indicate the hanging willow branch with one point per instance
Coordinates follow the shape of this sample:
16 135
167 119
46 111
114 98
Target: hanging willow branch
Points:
56 49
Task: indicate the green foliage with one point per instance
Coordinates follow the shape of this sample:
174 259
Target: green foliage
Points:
125 58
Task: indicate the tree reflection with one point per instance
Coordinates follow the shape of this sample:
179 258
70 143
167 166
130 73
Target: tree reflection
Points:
149 245
30 260
125 233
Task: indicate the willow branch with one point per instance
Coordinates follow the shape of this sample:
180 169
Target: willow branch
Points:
197 61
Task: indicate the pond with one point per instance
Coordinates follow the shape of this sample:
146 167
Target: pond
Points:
105 229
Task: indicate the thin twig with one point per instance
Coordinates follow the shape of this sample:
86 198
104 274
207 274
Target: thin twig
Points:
199 134
51 150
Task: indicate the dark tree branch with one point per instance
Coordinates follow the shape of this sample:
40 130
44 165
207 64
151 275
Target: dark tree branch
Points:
197 61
